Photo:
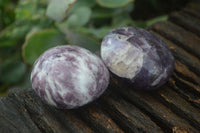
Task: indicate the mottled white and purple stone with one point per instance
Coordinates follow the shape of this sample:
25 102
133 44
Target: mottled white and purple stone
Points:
138 57
69 77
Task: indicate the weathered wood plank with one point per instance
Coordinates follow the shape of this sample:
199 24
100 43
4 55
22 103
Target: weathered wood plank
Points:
195 89
129 117
47 118
32 109
188 22
98 120
175 102
181 55
66 121
15 120
193 8
162 115
186 84
185 39
186 94
182 71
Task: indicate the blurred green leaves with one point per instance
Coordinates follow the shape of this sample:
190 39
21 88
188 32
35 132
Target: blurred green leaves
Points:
28 16
7 15
37 42
12 71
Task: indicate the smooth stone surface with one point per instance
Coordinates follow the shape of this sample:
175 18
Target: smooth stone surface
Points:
137 56
69 76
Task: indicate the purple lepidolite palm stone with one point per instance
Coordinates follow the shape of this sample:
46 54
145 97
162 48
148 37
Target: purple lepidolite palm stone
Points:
69 77
137 57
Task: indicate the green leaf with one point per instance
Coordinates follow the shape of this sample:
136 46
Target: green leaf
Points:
122 20
39 41
101 32
25 9
7 15
57 9
7 43
7 52
114 3
79 18
97 33
157 19
11 35
81 3
30 10
21 31
99 12
12 71
82 40
76 20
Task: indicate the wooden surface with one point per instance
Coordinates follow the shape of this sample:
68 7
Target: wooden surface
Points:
175 107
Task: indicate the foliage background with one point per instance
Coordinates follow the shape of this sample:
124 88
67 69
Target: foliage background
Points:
29 27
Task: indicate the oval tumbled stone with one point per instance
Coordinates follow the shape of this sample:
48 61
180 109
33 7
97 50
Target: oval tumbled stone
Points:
69 77
137 57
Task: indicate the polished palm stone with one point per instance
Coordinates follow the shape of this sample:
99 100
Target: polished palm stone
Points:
69 77
137 57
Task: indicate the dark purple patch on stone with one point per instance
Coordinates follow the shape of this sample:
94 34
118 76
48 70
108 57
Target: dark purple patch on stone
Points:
62 105
70 58
137 43
43 94
122 32
34 76
72 97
